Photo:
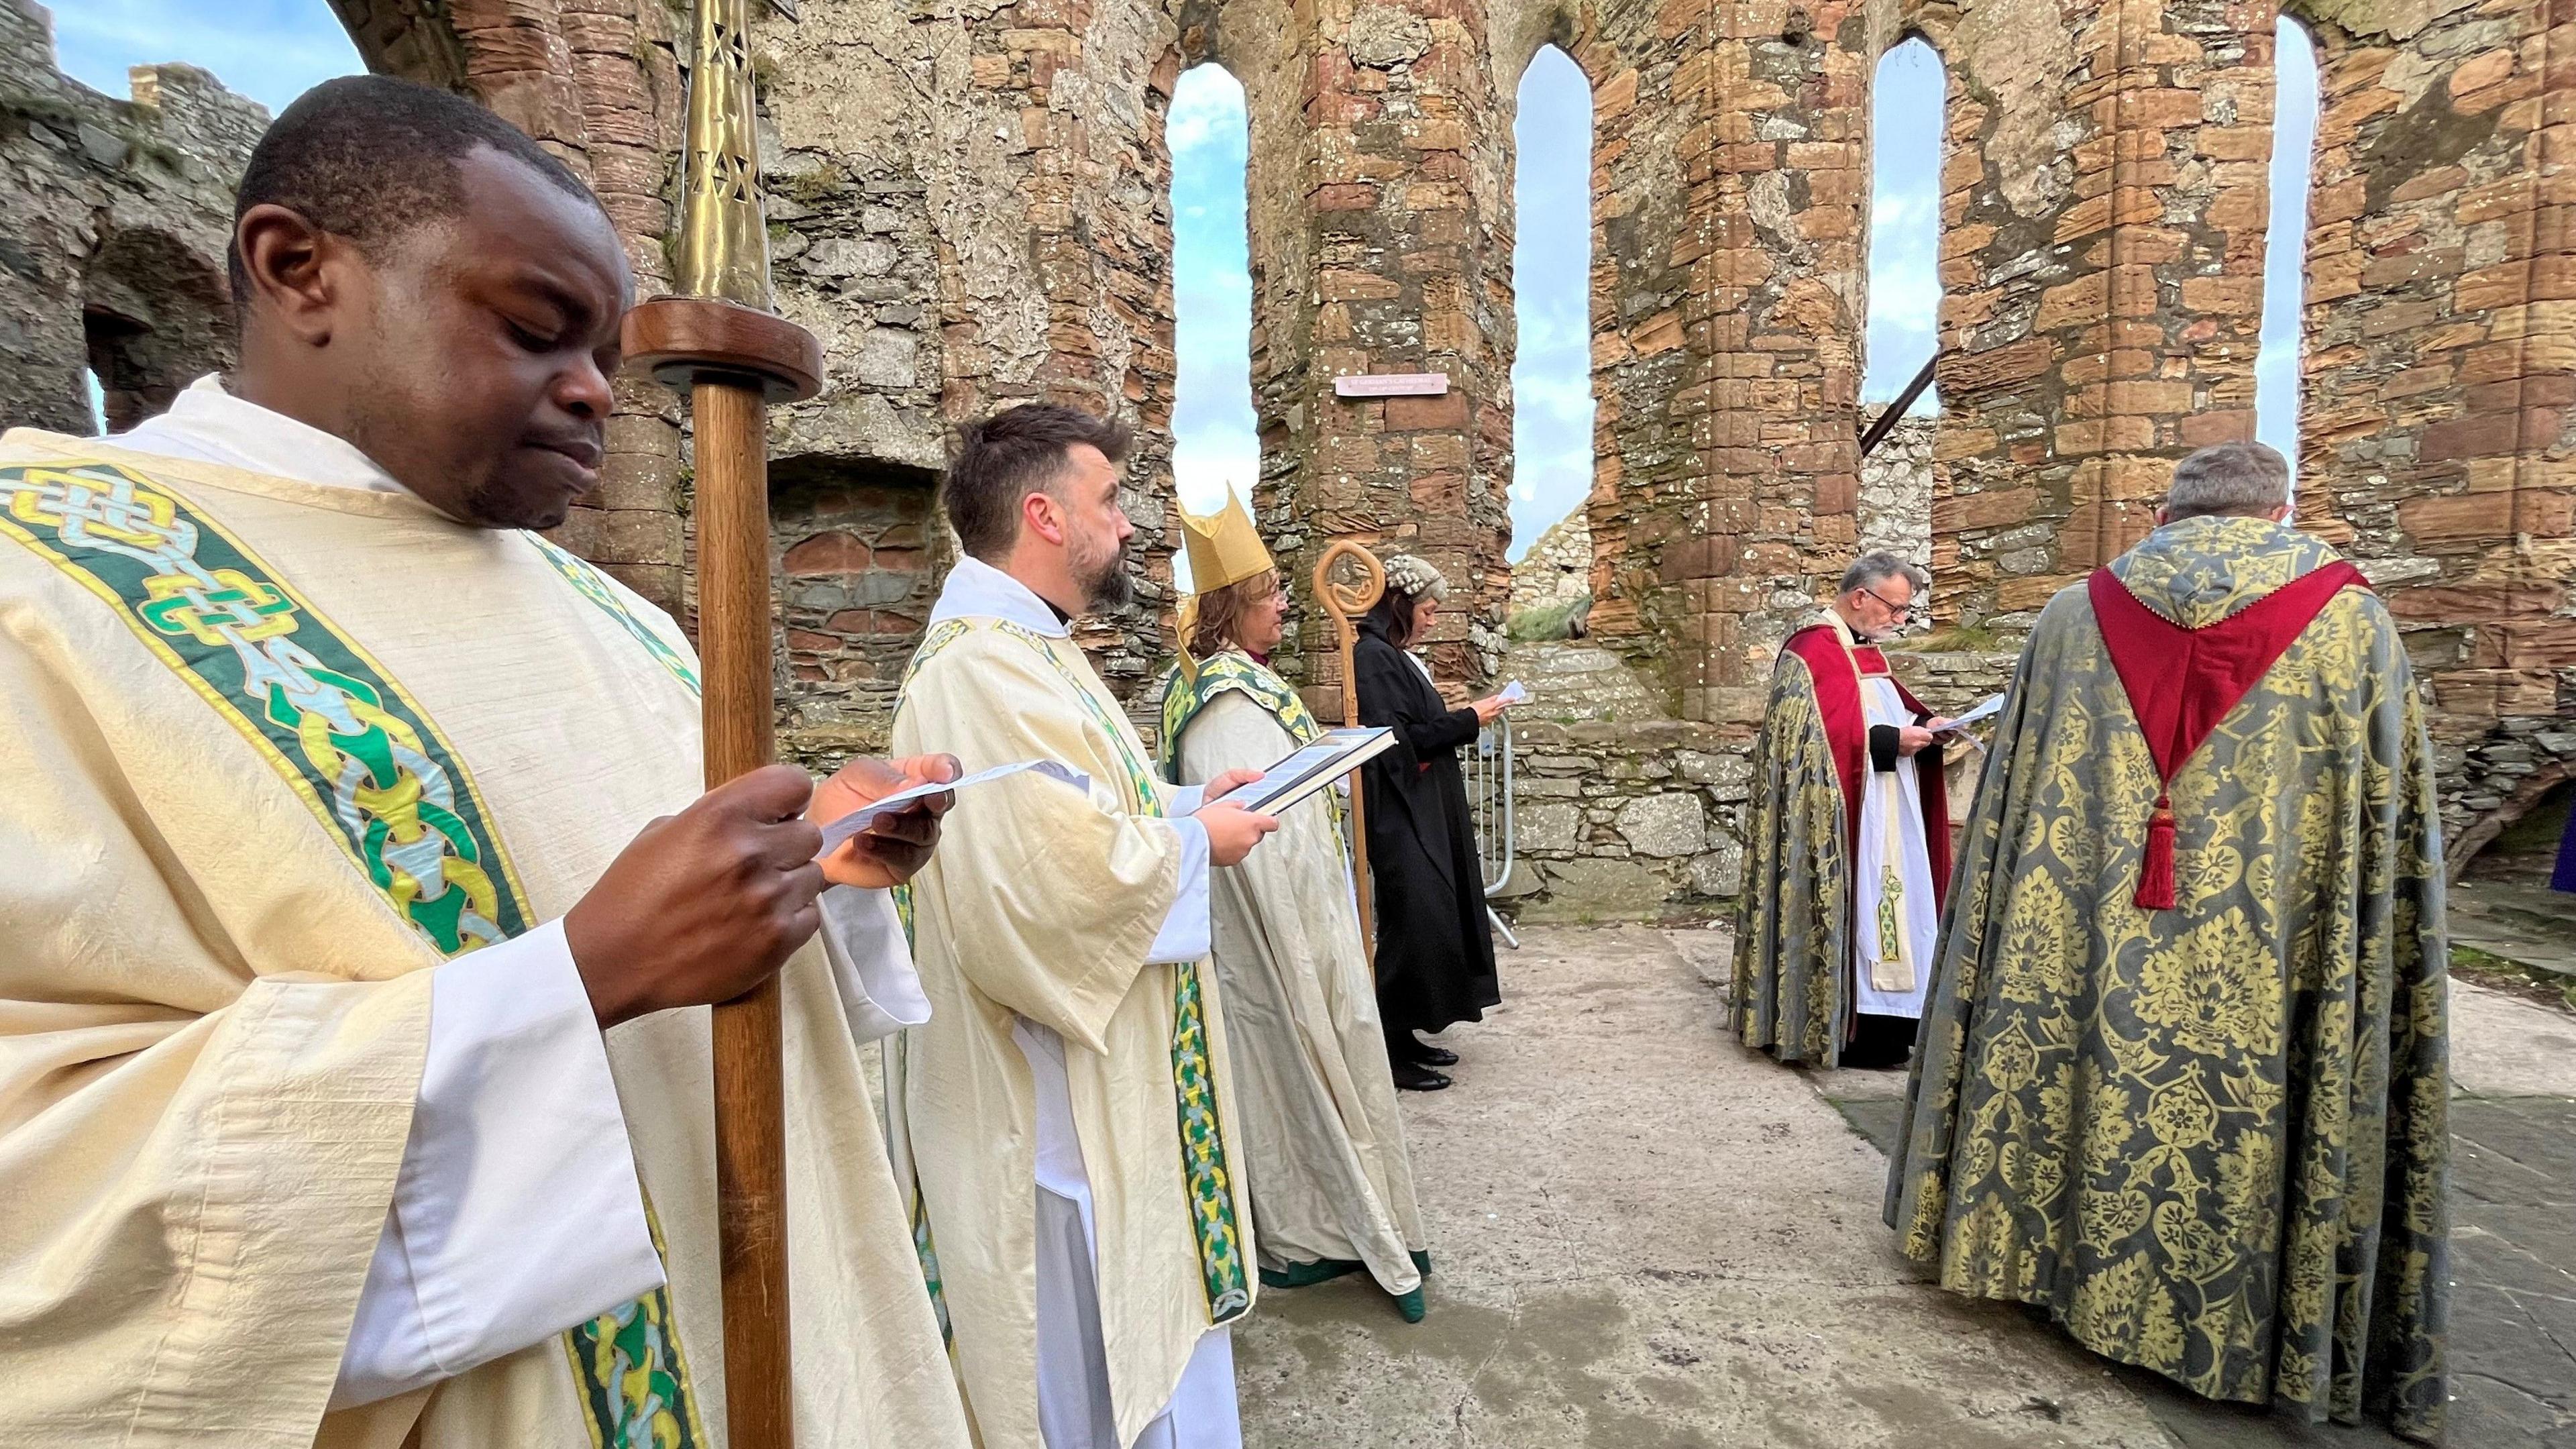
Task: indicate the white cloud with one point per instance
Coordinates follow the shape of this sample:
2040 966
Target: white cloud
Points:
1207 113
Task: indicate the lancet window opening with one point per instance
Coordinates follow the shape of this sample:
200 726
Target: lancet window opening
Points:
1215 443
1907 103
1552 405
2277 388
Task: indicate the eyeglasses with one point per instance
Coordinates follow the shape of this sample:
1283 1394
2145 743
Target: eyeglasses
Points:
1902 611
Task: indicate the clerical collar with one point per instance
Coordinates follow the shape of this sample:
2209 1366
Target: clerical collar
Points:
977 590
207 424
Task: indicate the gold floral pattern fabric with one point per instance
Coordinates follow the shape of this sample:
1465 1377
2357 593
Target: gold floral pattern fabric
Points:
2210 1140
1793 926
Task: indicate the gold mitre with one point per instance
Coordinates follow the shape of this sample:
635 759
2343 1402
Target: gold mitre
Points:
1224 547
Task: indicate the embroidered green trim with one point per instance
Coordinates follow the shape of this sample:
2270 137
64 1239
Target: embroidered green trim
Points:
371 765
631 1375
587 581
353 745
1184 698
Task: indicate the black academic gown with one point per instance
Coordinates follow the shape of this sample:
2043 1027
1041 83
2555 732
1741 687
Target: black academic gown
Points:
1435 952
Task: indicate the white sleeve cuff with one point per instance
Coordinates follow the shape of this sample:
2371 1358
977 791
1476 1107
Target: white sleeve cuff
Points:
517 1213
1184 936
1186 800
871 962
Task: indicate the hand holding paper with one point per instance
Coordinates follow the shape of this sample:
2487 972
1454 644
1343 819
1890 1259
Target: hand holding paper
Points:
896 804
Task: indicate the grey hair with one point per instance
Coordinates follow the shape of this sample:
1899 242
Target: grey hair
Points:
1414 578
2228 478
1879 564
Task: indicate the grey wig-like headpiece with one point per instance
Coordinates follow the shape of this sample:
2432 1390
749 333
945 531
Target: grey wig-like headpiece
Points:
1414 578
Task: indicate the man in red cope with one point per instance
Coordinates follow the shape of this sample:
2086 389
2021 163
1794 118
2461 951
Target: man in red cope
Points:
1847 838
2181 1075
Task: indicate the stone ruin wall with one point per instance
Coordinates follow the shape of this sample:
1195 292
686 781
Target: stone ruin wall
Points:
972 207
1558 567
114 218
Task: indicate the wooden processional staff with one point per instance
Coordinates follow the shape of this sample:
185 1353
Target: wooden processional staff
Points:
720 342
1346 603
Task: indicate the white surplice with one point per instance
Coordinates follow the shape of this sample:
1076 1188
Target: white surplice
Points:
1891 814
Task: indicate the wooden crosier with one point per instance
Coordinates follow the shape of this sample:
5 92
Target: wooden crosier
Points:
719 341
1346 603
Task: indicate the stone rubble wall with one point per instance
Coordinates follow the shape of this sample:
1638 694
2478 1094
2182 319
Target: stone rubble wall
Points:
2437 434
1896 486
114 219
1558 567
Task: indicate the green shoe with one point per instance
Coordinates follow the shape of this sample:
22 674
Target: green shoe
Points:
1410 1305
1306 1275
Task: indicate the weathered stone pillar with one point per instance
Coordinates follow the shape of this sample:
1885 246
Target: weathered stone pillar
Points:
1049 203
2104 216
2441 370
1395 257
1776 166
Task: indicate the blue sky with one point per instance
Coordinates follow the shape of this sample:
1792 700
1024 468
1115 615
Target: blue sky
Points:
271 50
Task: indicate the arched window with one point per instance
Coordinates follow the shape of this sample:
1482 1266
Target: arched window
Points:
1907 102
1552 450
2294 138
1215 445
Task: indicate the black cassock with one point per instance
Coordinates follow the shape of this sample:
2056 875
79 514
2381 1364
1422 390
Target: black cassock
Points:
1435 953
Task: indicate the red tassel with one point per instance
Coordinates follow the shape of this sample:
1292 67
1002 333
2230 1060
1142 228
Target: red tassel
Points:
2156 872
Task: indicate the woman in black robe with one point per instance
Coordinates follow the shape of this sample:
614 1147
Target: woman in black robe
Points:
1435 952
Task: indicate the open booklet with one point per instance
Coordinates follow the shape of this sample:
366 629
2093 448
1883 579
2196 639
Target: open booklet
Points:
1311 769
902 800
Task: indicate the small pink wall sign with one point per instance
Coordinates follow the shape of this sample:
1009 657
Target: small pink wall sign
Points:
1392 384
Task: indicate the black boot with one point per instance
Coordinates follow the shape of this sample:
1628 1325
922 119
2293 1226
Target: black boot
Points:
1415 1077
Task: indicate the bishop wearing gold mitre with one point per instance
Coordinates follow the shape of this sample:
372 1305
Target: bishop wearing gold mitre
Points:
1332 1187
2181 1076
359 905
1067 1117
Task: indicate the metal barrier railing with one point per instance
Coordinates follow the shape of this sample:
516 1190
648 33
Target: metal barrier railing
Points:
1489 809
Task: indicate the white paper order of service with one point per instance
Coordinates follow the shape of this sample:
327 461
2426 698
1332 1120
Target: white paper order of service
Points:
902 800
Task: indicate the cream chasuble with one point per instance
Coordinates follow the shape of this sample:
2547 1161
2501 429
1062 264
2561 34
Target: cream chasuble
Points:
215 980
1043 906
1331 1184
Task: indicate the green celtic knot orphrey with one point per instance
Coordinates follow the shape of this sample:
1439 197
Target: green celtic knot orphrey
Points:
1203 1162
588 582
360 752
633 1380
1202 1133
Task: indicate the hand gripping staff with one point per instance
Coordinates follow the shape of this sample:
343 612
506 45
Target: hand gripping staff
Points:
719 340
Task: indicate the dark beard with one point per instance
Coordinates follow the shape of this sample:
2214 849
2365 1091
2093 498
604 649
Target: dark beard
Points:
1112 586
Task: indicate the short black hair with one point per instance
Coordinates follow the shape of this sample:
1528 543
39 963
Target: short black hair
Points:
1001 459
368 157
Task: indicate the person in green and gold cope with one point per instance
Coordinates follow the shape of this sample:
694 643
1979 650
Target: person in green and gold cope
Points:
1847 838
2180 1081
1068 1119
1332 1187
359 904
